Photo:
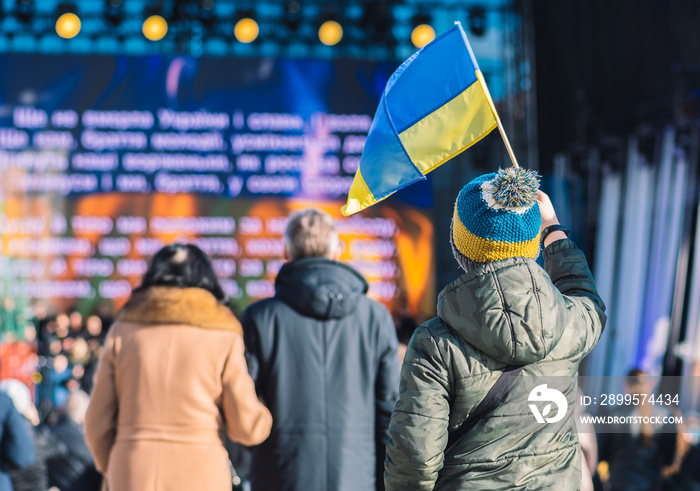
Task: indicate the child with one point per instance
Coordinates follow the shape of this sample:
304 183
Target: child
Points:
504 312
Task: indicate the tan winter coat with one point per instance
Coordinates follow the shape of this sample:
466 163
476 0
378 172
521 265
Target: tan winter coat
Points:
172 379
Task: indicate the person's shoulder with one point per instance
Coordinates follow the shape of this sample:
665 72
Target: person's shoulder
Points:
263 309
434 343
119 331
264 304
437 328
436 331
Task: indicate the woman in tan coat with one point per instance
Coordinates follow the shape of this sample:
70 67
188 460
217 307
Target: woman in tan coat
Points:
171 381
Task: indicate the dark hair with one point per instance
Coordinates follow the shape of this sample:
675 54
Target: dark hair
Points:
405 327
183 266
635 376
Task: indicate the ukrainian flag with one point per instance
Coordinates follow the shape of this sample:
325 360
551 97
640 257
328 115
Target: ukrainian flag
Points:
434 106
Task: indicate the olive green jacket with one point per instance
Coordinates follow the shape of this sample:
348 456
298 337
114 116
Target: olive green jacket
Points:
508 312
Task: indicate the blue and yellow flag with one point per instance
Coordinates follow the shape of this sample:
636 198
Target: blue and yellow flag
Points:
434 106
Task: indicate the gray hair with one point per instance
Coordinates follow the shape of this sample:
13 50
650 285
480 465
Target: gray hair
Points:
310 233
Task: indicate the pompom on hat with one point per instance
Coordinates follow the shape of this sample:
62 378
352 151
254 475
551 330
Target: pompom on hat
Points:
496 216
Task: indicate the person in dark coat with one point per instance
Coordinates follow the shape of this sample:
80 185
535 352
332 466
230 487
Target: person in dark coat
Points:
688 476
75 471
324 359
637 453
16 445
35 476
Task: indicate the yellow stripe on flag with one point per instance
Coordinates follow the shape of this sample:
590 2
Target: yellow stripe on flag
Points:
359 196
483 250
450 129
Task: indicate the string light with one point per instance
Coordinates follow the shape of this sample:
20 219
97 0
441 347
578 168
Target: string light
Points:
330 33
68 25
422 34
155 28
246 30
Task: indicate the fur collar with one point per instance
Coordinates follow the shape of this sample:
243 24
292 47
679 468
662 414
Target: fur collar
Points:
172 305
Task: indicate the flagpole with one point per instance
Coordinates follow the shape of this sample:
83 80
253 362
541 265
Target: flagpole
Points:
480 77
505 140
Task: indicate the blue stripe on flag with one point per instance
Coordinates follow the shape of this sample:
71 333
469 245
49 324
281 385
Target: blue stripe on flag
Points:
384 165
430 79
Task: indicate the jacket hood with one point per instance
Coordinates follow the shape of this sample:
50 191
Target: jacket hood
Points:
507 309
171 305
320 288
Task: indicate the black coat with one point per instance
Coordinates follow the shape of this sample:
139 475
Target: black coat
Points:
16 445
36 476
635 464
76 470
324 359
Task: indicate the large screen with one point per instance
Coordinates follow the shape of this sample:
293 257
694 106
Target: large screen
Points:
103 160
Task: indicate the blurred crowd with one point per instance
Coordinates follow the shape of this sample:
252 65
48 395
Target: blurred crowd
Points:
68 347
47 373
55 353
47 368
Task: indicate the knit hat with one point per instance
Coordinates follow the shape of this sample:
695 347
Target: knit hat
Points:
496 216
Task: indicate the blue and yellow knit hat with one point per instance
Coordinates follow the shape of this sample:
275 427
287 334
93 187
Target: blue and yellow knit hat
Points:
496 216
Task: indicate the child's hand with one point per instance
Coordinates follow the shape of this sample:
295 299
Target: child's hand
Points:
549 217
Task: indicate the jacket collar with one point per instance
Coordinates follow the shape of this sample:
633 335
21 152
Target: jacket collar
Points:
178 306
